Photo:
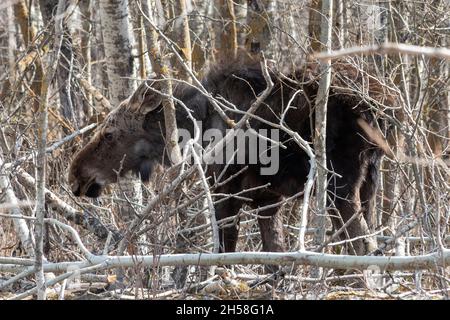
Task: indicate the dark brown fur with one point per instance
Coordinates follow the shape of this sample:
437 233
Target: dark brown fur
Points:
132 134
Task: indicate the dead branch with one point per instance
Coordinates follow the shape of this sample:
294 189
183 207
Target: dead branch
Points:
386 48
81 218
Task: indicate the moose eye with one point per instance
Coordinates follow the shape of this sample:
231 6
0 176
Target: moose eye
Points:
108 136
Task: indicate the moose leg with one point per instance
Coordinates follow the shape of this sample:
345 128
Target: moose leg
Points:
368 191
228 234
272 235
271 227
345 192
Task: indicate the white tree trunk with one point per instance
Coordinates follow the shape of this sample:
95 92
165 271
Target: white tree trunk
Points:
320 133
118 42
12 46
51 66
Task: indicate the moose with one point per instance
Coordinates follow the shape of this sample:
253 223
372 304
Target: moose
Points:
131 138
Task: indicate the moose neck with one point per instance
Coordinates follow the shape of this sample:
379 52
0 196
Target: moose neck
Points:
197 104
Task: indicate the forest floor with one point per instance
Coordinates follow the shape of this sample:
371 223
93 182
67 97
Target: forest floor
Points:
222 289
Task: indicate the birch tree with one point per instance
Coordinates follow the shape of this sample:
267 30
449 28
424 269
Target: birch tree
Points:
160 66
321 119
228 38
118 42
85 43
314 24
396 139
184 37
28 31
175 13
69 94
260 20
199 34
41 161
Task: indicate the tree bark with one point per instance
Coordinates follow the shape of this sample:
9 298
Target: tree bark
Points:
260 21
160 66
240 11
199 28
85 43
228 37
69 95
40 209
391 178
162 71
118 42
314 25
437 122
29 34
321 120
184 37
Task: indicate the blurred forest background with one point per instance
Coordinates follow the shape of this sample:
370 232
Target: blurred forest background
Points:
65 64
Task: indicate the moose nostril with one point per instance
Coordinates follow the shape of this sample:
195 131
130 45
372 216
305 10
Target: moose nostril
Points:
94 190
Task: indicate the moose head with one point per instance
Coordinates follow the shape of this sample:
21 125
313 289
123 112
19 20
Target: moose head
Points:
124 142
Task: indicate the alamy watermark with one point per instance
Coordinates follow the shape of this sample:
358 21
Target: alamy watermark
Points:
246 147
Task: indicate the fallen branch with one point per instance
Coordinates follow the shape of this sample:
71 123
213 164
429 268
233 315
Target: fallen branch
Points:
386 48
20 226
427 261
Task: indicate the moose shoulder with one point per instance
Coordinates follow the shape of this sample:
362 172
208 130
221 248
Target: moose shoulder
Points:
131 139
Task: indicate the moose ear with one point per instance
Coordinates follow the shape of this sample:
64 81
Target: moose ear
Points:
146 97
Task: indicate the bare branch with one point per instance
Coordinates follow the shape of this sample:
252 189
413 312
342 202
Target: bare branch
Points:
386 48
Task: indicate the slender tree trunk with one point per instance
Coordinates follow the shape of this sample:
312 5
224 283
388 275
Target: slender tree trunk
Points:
29 34
184 38
160 66
260 20
314 25
437 107
142 47
228 38
178 31
321 114
391 176
70 97
199 34
12 45
321 125
240 12
162 71
40 210
85 43
118 42
340 23
437 110
143 66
